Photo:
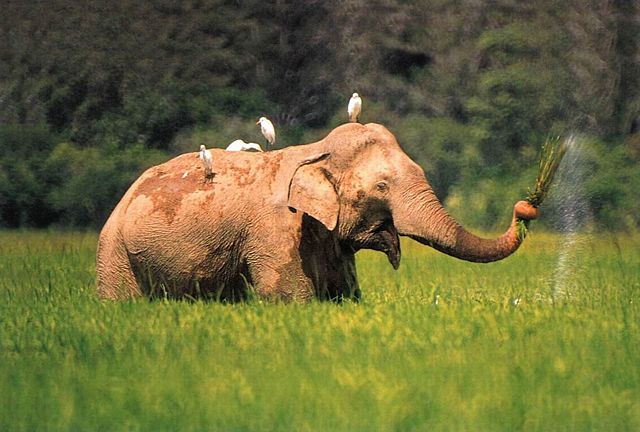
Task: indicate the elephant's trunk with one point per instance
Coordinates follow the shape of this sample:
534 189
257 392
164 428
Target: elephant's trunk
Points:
421 216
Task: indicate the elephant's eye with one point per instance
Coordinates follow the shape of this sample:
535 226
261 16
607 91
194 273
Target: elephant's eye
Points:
382 186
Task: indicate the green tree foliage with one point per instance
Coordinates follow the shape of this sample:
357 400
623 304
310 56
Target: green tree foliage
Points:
470 87
443 147
43 182
515 106
23 189
89 179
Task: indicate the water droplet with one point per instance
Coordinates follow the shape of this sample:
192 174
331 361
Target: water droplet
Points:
571 214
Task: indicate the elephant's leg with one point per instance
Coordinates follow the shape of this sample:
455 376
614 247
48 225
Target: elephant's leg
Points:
115 277
331 267
351 279
280 282
342 276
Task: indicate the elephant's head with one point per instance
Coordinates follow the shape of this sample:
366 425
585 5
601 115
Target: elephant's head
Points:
361 185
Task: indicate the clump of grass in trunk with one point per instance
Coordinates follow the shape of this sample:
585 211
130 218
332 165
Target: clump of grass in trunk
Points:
552 152
551 155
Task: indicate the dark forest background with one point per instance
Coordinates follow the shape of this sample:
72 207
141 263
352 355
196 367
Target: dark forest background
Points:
93 92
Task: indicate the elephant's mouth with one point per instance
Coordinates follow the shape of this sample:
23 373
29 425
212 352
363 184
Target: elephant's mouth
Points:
383 237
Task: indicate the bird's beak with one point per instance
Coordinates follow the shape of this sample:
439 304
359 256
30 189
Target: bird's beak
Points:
258 122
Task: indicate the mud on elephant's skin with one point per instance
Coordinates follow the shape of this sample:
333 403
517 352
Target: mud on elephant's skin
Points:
285 223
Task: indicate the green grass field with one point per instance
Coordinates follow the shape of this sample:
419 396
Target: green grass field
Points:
496 352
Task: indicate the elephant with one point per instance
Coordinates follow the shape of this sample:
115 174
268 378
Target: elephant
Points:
282 225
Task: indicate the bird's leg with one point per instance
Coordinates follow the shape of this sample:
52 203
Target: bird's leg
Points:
208 175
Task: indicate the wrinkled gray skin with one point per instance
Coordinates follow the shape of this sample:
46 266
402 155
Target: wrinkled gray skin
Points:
286 223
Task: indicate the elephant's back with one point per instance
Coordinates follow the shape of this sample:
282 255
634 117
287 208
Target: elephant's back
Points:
185 174
177 197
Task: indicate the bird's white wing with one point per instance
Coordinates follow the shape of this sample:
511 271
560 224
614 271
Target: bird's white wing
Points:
268 131
236 145
354 108
351 107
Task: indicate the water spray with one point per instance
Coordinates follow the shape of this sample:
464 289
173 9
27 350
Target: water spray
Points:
571 214
561 159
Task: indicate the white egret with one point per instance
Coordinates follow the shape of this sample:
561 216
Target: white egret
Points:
355 106
207 161
240 145
268 131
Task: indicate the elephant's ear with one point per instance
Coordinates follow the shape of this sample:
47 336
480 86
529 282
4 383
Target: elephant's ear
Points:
312 192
